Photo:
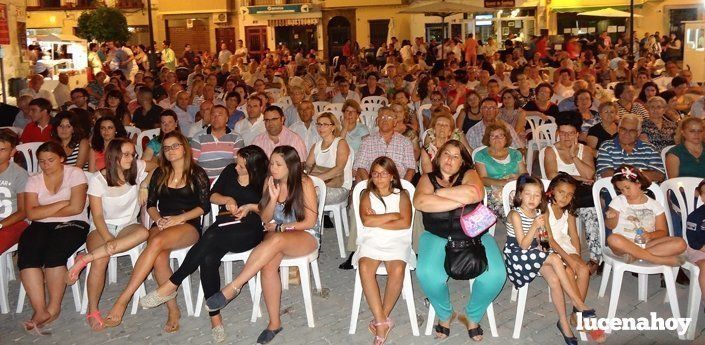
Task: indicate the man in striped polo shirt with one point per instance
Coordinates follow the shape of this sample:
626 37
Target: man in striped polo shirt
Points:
216 146
626 148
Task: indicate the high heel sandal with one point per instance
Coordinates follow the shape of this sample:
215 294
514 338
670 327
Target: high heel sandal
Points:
75 271
568 340
438 328
381 340
474 332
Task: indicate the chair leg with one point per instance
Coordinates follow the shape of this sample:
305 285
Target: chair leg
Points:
357 299
112 270
346 221
408 291
514 294
10 267
186 286
84 299
491 320
284 275
338 220
199 301
672 296
258 296
529 159
306 289
614 295
141 291
430 320
228 271
316 275
4 285
521 306
20 299
643 282
694 297
605 278
76 287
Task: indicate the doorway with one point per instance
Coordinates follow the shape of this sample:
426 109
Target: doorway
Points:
227 36
339 32
256 41
378 32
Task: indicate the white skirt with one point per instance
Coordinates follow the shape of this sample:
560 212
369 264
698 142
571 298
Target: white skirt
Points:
384 245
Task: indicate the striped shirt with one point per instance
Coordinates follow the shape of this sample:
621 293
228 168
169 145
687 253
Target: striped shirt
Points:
525 222
214 154
644 156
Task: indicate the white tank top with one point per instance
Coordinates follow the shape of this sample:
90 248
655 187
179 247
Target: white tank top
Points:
559 229
327 158
570 169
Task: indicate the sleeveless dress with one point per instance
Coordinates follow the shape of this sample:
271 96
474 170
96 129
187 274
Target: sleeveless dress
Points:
280 217
382 244
522 265
559 230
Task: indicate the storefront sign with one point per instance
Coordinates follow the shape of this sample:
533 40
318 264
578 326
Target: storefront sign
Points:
499 3
275 9
4 28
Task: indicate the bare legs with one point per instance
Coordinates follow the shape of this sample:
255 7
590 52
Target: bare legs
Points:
579 269
155 256
368 276
558 280
33 281
660 251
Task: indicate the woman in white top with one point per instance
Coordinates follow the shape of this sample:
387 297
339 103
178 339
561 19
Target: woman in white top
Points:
329 159
385 236
115 195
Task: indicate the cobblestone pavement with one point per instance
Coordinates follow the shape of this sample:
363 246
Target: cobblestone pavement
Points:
332 315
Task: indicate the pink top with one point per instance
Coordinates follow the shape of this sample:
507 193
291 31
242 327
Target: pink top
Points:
286 137
72 177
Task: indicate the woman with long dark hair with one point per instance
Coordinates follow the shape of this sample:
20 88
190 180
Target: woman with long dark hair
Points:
178 197
169 122
69 134
289 211
237 229
104 130
115 100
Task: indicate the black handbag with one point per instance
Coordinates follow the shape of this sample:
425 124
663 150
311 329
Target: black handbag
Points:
465 259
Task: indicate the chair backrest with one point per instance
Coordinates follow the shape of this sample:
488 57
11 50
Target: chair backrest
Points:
547 133
17 130
687 198
375 100
334 106
29 152
275 92
319 106
476 150
143 138
457 111
663 156
369 118
372 107
419 115
286 100
508 194
360 186
321 191
542 165
132 132
214 207
535 121
606 184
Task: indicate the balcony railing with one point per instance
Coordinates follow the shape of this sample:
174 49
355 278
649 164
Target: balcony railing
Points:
64 5
273 2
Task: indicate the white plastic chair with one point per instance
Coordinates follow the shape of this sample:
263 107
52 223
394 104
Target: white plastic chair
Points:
381 100
227 261
476 150
143 138
75 288
334 106
371 107
319 106
7 273
132 132
664 152
286 101
17 130
276 93
407 288
687 199
490 309
419 116
457 111
338 212
369 119
29 152
303 262
544 135
613 261
542 164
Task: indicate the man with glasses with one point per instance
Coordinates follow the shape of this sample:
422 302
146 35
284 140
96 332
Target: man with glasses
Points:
626 148
79 99
216 146
278 135
489 109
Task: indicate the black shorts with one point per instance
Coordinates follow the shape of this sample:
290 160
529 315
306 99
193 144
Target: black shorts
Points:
47 245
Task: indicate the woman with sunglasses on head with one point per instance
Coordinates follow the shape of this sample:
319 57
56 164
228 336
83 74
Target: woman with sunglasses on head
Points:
328 159
178 197
289 211
115 194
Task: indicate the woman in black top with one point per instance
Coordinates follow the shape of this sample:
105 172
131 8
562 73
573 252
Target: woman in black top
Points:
442 196
542 105
470 114
371 88
238 192
178 197
604 130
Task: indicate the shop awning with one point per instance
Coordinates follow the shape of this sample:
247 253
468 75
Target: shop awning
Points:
293 22
562 6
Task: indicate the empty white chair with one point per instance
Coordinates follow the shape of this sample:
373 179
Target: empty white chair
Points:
684 189
381 100
614 262
544 135
143 138
407 288
29 152
542 165
303 263
319 106
132 132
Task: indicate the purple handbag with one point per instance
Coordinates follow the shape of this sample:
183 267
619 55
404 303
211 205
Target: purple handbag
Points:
477 221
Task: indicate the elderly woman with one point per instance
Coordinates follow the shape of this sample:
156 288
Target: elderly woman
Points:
442 129
498 164
583 102
542 105
352 129
686 158
656 128
606 129
328 159
443 196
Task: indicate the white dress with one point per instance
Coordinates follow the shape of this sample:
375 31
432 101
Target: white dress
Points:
559 230
381 244
120 203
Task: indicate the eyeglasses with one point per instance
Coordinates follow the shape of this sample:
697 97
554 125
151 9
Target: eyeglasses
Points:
388 117
171 147
497 136
318 124
376 174
567 134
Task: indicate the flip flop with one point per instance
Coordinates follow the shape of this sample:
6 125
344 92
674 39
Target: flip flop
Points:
96 315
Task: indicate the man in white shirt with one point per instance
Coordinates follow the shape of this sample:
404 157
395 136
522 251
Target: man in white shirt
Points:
204 121
173 91
34 89
241 51
344 92
62 93
305 126
253 125
564 87
224 54
185 112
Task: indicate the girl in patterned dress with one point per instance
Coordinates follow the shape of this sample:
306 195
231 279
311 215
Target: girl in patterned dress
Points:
525 259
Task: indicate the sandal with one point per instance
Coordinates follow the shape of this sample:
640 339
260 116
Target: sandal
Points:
438 328
381 340
75 271
98 318
474 332
31 327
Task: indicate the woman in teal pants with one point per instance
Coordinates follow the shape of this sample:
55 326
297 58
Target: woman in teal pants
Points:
440 196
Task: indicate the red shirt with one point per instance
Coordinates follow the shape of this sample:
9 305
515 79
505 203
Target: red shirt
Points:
32 133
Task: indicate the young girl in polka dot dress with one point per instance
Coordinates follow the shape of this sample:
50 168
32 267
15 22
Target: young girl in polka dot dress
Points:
525 259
